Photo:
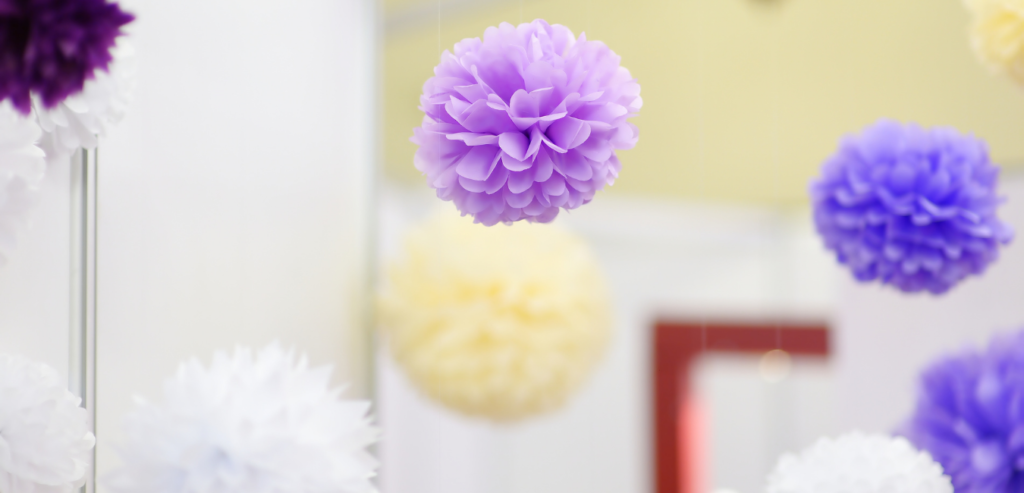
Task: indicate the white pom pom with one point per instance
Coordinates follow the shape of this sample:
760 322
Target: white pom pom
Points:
248 425
22 166
45 441
78 120
859 463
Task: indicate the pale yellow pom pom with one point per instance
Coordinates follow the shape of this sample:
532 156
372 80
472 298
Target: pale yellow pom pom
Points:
501 322
997 34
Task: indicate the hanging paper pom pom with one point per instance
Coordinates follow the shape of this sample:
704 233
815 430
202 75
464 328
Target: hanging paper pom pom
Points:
860 463
77 121
969 416
524 122
997 35
501 323
44 435
21 169
910 207
266 424
50 47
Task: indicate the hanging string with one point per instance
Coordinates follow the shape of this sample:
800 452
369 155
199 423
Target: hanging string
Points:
439 61
699 76
776 121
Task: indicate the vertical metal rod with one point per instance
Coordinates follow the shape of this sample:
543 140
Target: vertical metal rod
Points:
82 341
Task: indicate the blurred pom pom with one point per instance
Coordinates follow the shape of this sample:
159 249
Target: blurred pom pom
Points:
44 434
266 424
77 121
22 166
969 416
860 463
997 35
910 207
525 122
48 48
502 323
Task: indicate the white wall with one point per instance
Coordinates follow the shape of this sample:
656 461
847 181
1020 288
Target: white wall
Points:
886 337
662 259
234 197
35 284
748 422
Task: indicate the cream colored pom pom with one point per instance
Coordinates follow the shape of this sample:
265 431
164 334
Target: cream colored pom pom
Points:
501 322
856 462
997 34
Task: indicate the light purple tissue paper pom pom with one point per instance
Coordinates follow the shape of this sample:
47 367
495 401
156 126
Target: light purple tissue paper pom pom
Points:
970 416
525 122
910 207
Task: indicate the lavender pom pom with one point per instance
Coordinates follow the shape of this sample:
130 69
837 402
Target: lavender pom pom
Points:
525 122
970 416
50 47
910 207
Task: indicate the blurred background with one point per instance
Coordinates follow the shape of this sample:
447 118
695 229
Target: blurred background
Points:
709 225
264 175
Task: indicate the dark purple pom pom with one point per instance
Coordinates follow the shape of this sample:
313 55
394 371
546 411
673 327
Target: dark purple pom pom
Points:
910 207
50 47
970 417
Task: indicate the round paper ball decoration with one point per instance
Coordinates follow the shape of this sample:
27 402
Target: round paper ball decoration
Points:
81 119
49 48
249 423
501 323
970 416
525 122
44 434
856 462
910 207
997 35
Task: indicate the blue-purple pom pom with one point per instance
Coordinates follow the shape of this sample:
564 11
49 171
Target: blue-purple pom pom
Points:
48 48
910 207
970 417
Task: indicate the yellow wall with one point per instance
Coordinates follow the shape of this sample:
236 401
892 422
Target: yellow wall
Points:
742 98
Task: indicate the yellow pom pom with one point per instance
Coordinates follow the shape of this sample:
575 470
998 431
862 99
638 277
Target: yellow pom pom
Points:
500 322
997 34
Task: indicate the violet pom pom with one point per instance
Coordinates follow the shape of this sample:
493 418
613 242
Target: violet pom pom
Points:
910 207
50 47
970 416
524 122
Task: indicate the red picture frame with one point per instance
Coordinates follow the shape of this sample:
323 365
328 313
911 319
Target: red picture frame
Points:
676 346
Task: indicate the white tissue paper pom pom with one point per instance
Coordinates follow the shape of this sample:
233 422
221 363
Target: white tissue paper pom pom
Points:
856 462
267 424
45 442
22 166
81 118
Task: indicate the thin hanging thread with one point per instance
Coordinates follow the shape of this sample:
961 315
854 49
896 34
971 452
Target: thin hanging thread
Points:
439 61
701 185
776 161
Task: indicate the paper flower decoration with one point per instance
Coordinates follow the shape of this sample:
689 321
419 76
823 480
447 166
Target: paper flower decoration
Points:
495 322
970 416
45 442
21 169
77 121
997 35
524 122
860 463
267 424
910 207
50 47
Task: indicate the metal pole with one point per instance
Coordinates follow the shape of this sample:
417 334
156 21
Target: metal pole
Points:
82 341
